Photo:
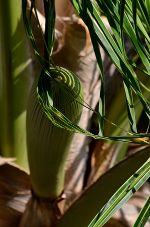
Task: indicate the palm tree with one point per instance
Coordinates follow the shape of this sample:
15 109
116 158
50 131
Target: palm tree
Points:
56 102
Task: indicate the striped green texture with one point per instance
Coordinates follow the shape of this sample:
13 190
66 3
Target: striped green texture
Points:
143 215
48 145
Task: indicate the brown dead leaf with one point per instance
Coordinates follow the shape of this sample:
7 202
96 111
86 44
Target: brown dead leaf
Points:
39 213
14 194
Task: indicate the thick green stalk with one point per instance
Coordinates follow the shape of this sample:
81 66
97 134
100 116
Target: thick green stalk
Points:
15 81
48 145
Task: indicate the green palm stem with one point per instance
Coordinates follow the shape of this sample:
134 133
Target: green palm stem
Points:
15 78
55 89
48 145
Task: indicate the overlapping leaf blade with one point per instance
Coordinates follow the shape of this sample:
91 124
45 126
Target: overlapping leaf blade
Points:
122 195
144 215
89 11
95 198
119 14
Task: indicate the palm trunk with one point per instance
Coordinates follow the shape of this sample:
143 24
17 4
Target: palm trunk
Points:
15 78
